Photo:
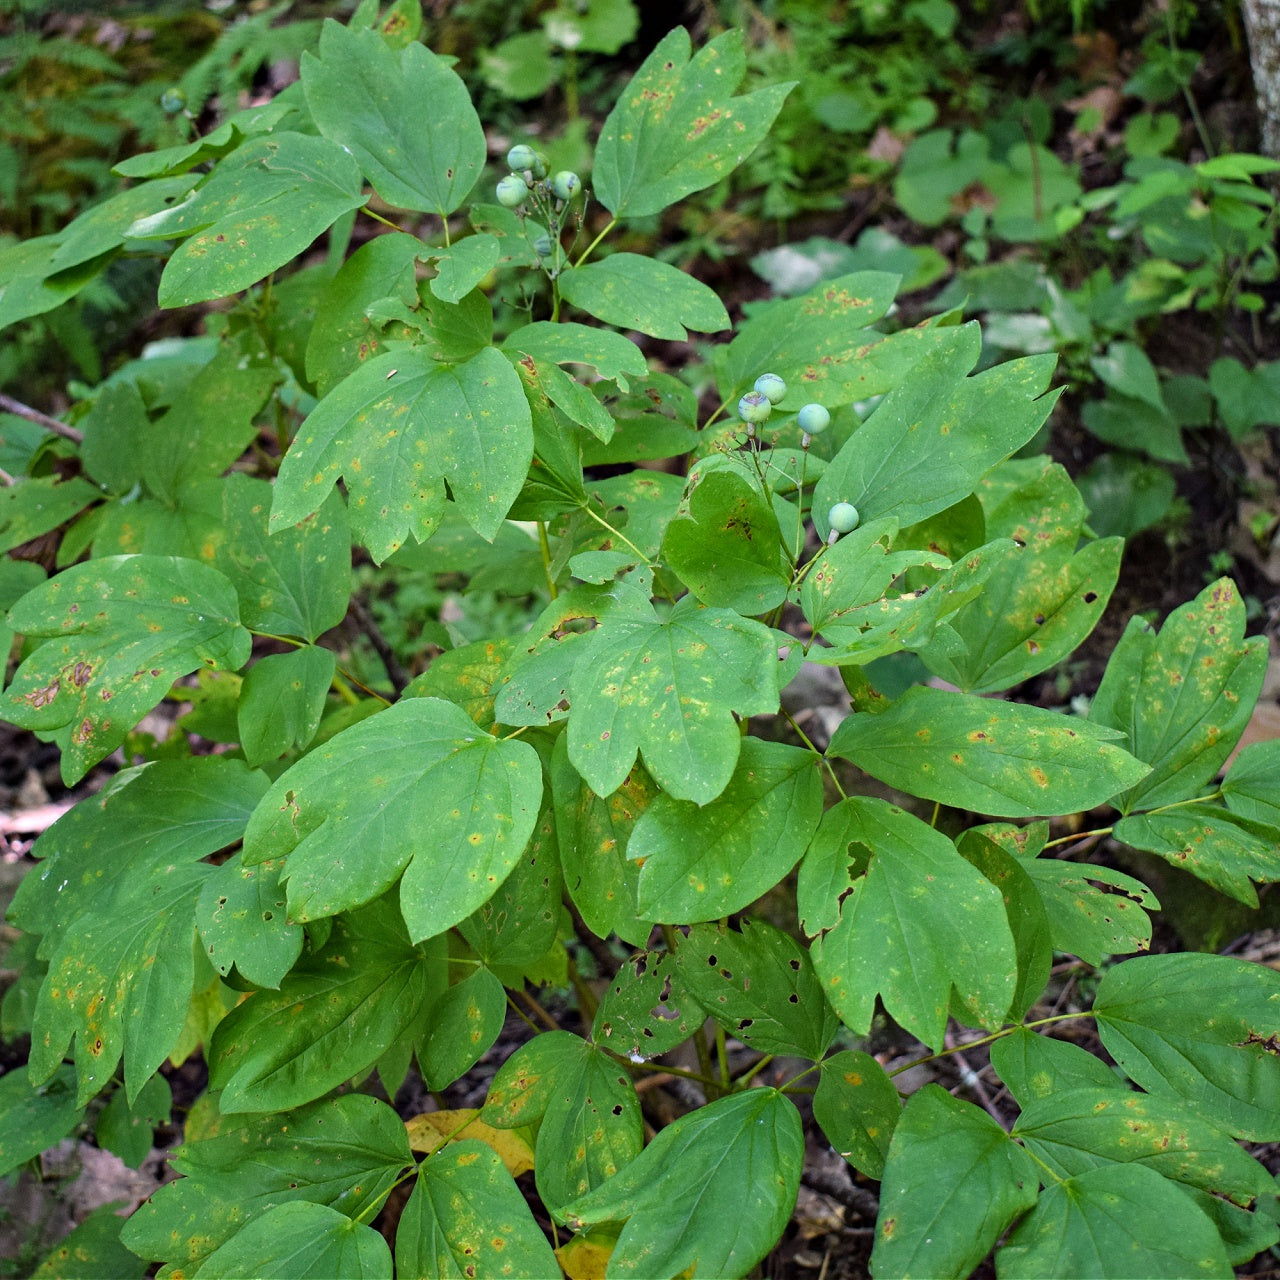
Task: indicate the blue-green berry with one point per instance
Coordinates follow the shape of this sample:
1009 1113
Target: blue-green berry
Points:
771 385
512 191
542 246
813 420
754 408
566 184
173 100
843 517
521 157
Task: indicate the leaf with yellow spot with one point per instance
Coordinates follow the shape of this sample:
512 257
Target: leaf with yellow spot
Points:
463 1024
349 817
634 292
467 1218
344 1152
586 1256
677 128
918 922
92 1250
712 1192
432 1130
589 1113
397 429
953 1182
993 757
466 676
648 1008
116 633
1074 1130
115 899
1182 697
857 1108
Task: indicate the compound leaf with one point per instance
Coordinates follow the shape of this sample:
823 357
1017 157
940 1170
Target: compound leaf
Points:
1202 1028
677 128
117 632
920 921
701 863
344 1152
396 429
709 1195
349 817
953 1181
403 114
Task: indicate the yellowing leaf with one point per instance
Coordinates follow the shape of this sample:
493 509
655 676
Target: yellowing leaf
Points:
430 1131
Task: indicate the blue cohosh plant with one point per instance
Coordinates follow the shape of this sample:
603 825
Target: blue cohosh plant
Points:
320 881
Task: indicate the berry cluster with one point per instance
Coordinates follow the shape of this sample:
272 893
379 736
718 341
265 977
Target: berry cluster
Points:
813 419
528 188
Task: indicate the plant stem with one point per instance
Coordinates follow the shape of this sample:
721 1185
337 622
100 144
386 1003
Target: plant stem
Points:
808 742
586 253
377 217
10 405
545 545
995 1035
617 533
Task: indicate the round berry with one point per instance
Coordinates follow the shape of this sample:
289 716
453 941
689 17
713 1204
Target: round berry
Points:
173 100
843 517
542 246
813 420
512 191
754 407
521 157
771 385
566 184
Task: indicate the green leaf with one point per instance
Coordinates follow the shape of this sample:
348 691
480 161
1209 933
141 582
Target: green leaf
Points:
711 1193
633 292
462 266
858 1108
261 207
403 114
115 902
297 1240
648 1007
92 1250
953 1181
1093 911
701 863
281 702
117 632
296 581
677 128
465 676
520 67
996 757
213 423
345 1152
1114 1221
1202 1028
1183 697
518 924
919 922
931 438
725 545
343 337
468 423
465 1021
213 146
1212 843
1252 786
373 789
1025 911
34 506
33 1119
1126 368
1035 1066
127 1131
243 922
613 356
467 1217
594 834
1075 1130
759 984
334 1016
590 1115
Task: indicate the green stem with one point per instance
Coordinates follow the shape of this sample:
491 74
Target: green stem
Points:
587 252
808 742
617 533
722 1057
377 217
747 1077
545 546
995 1035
